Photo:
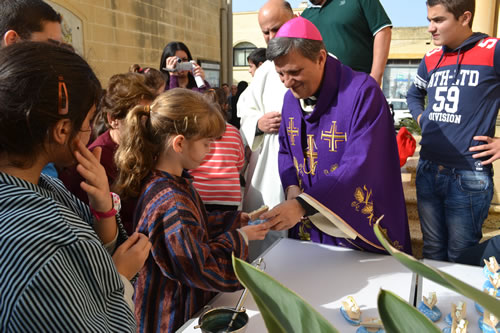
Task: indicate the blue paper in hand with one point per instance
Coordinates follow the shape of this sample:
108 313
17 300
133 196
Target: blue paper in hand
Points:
255 222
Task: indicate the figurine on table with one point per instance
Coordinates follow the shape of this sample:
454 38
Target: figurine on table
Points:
351 311
456 319
428 307
488 323
371 325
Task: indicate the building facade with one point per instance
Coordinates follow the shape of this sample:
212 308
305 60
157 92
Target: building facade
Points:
114 34
408 45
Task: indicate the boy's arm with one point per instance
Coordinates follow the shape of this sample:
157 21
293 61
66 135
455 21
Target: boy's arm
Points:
492 146
417 92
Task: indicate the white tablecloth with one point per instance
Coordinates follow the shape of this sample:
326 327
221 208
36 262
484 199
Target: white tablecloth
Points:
324 276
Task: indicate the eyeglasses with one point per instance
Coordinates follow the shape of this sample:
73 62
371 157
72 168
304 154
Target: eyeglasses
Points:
63 101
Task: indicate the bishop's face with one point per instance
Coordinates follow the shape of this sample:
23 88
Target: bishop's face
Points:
300 74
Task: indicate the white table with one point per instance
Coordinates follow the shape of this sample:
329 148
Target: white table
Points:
324 276
472 275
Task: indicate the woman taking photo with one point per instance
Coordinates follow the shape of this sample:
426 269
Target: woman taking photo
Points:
174 54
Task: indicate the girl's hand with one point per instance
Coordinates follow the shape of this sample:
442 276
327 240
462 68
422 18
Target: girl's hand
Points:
170 64
198 71
256 232
131 255
96 181
244 218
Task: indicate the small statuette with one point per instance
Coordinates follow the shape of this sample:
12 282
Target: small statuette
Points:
493 282
458 312
428 307
491 267
460 327
371 325
457 327
351 311
489 323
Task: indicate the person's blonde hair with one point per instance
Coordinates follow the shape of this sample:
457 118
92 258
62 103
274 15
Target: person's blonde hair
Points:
124 91
148 130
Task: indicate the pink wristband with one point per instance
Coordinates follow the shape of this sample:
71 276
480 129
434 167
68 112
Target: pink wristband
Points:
112 212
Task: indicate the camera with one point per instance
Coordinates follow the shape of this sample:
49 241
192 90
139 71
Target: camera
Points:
187 66
183 66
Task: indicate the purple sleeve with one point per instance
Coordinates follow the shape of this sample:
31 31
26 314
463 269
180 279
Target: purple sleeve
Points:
287 170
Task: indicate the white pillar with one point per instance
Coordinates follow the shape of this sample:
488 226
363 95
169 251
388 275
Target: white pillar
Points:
485 16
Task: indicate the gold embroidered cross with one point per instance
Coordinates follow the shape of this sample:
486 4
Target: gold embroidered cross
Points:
311 155
292 131
333 137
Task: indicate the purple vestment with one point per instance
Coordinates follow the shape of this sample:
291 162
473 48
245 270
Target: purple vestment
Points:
344 157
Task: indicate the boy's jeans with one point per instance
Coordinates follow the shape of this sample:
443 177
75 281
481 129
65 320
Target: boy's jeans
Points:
452 205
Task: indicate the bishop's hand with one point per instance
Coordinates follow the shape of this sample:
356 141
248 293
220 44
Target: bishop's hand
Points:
284 216
292 192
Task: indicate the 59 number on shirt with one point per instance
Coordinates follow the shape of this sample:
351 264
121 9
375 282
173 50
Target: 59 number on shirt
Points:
447 99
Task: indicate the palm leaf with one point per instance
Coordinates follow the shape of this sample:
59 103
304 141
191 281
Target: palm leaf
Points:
488 302
282 309
399 316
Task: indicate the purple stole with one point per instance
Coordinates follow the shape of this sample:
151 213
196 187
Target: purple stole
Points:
344 157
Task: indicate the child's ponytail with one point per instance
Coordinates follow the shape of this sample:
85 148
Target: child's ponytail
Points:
137 152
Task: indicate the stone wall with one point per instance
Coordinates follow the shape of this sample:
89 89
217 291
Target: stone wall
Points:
410 43
119 33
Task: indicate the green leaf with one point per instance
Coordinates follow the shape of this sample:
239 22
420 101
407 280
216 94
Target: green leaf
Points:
399 316
282 309
488 302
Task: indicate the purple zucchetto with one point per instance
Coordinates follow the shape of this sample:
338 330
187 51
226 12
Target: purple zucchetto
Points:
299 27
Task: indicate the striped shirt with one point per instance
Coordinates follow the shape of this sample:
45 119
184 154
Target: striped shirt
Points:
55 274
191 255
217 179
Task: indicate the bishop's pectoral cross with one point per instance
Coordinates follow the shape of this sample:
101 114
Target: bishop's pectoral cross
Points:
311 155
333 137
292 131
